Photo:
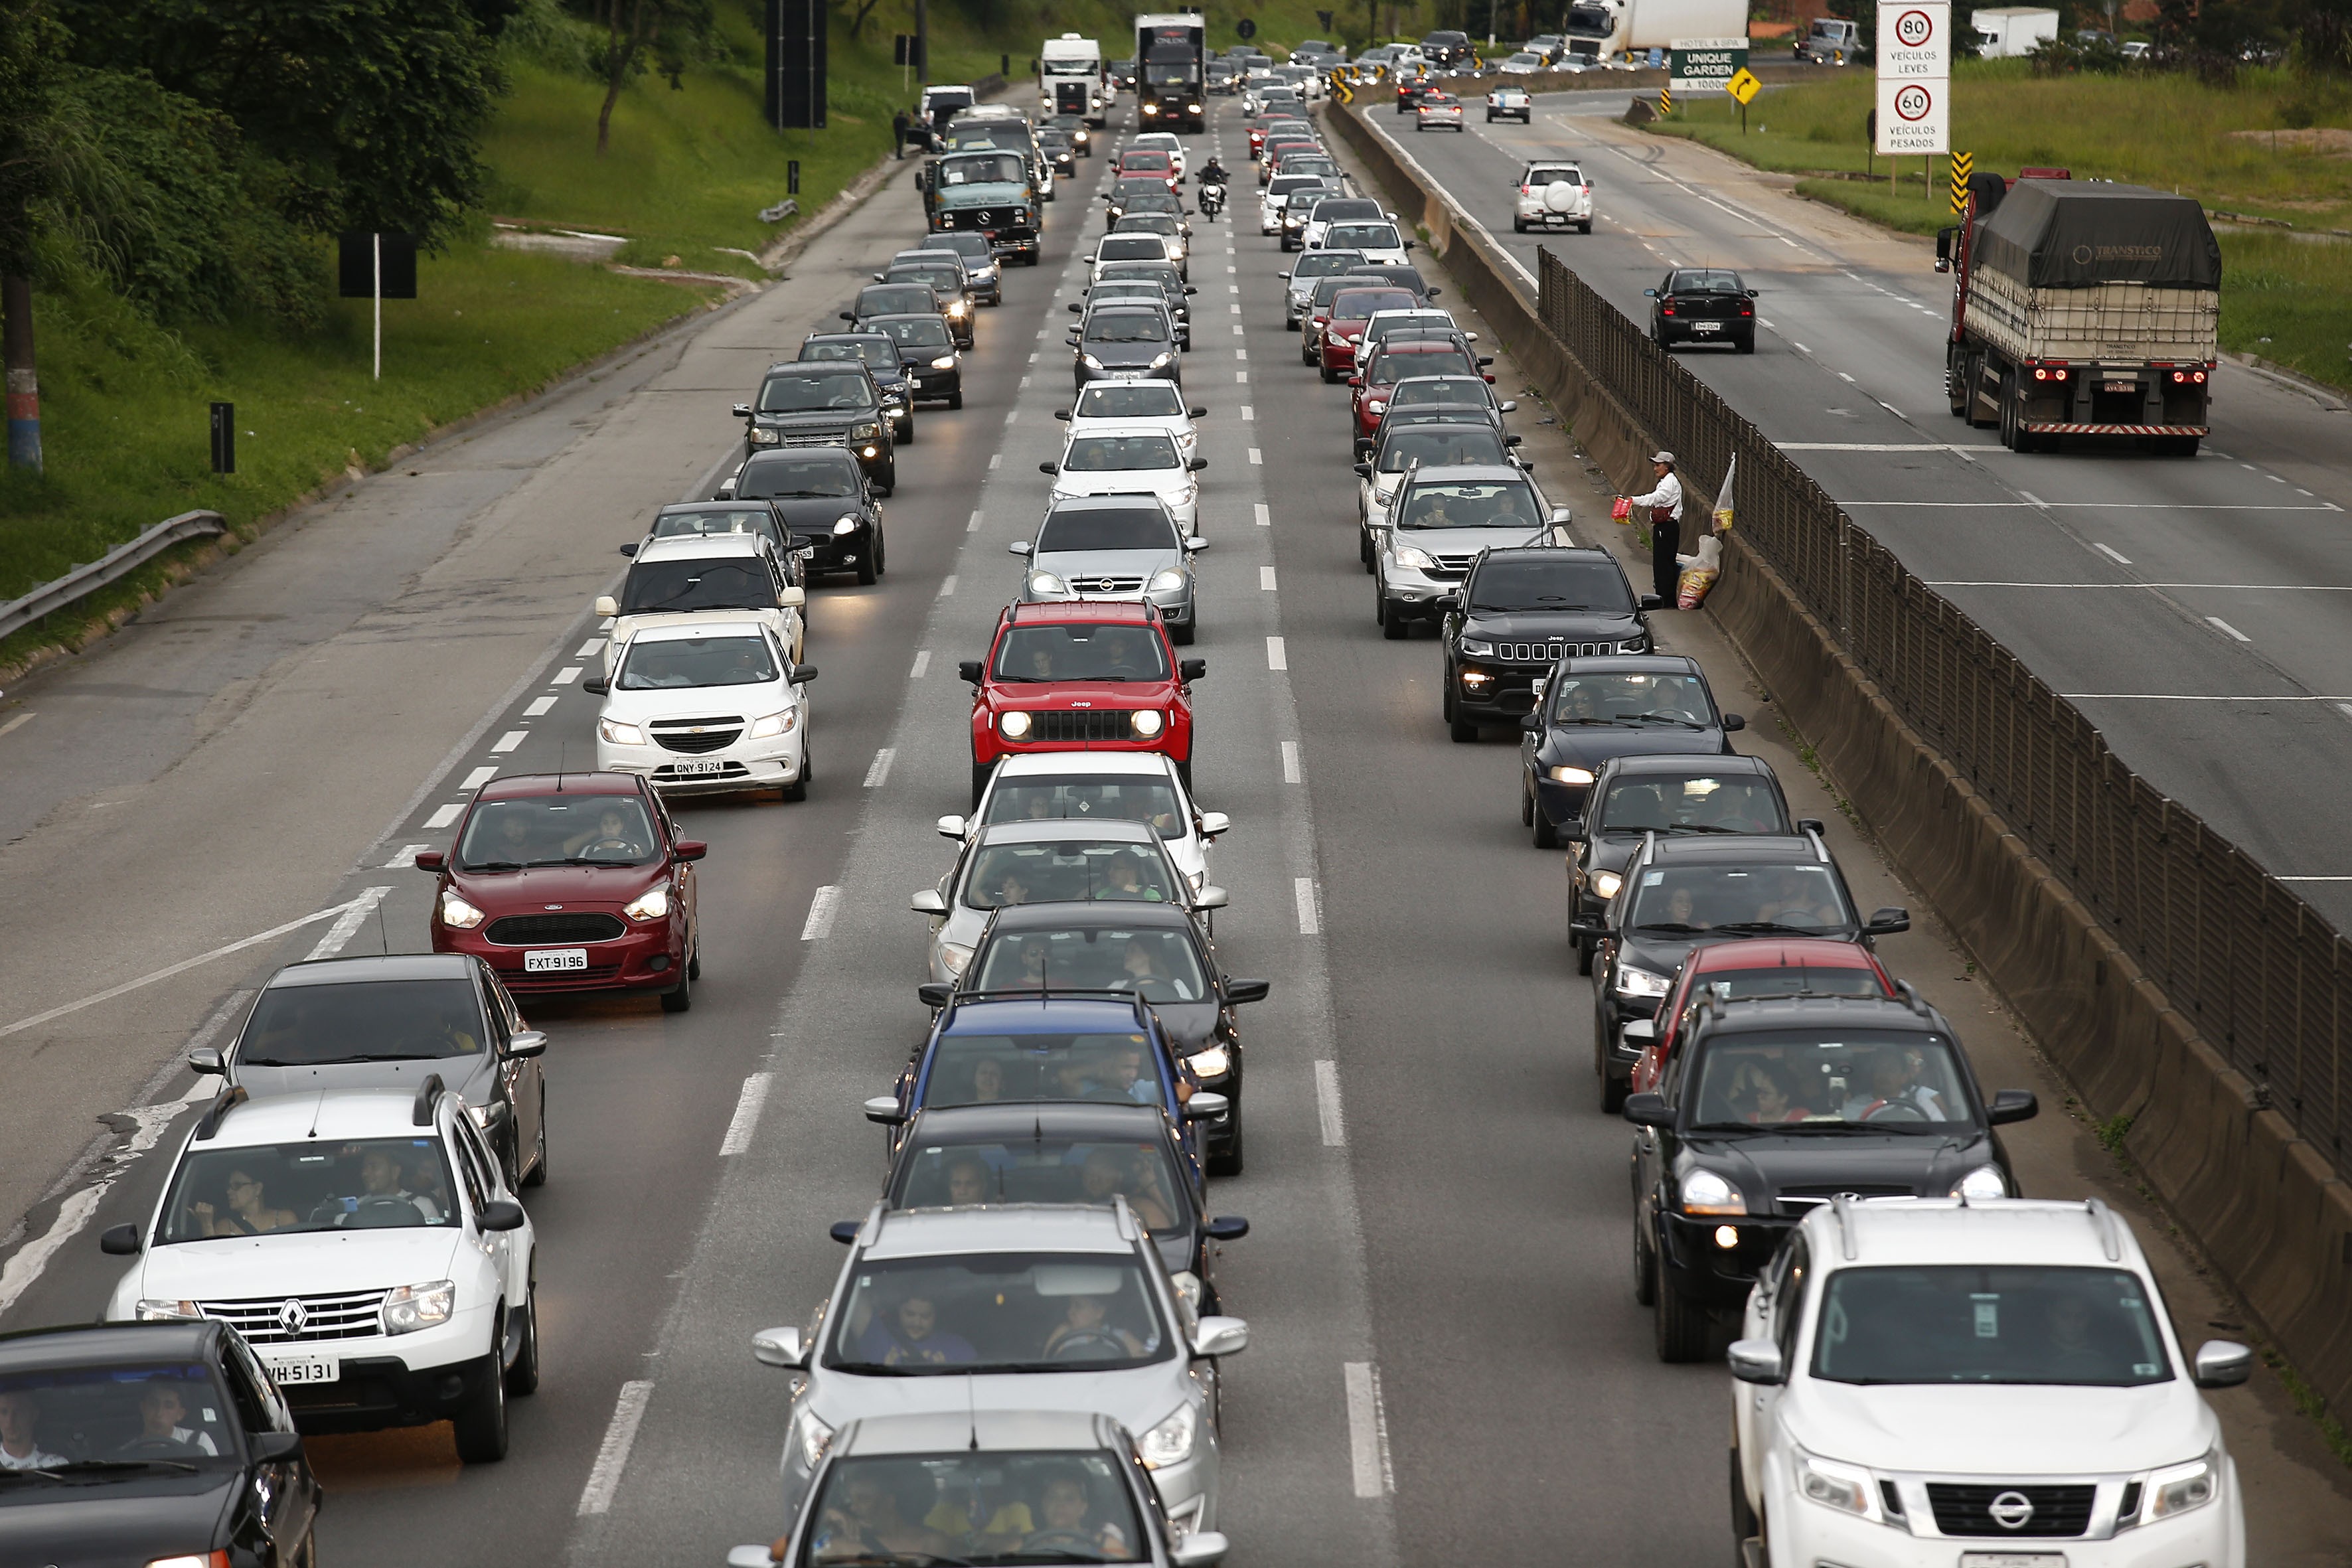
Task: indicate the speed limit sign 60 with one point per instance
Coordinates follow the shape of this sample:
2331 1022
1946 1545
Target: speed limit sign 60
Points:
1913 117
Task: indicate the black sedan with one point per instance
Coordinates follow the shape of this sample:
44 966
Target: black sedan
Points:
1785 1103
1159 951
1517 615
1597 708
880 357
823 499
1703 305
928 350
1124 340
1063 1152
146 1443
1679 796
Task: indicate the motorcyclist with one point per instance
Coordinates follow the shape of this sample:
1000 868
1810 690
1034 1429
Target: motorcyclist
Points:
1213 186
1213 173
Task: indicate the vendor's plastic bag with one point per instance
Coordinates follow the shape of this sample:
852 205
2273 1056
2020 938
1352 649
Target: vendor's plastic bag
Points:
1621 509
1691 589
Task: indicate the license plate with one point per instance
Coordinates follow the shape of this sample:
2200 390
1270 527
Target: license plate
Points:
551 959
688 769
2118 386
1707 326
289 1369
2012 1560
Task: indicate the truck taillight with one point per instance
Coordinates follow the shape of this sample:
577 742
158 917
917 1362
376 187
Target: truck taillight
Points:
2044 373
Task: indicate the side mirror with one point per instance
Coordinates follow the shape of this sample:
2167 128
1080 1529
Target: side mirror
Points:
278 1448
1192 670
1060 414
927 901
1649 1110
1196 414
1193 543
951 827
844 1231
500 1214
1202 1548
2220 1364
1219 1336
849 315
119 1241
742 411
1533 723
1640 1032
792 598
1075 309
1588 926
528 1043
688 849
605 604
1199 465
1355 381
1226 1228
1189 290
1508 405
1562 516
1811 825
779 1347
1513 441
1241 991
1649 293
1212 897
1022 546
1410 245
968 669
1484 361
879 278
1732 721
630 549
1049 468
207 1060
753 1555
883 1108
1206 1106
1754 295
934 993
596 686
431 860
1887 922
1213 823
1363 470
2013 1105
1756 1361
804 673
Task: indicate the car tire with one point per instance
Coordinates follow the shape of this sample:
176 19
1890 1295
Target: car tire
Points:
1744 1522
481 1426
1183 636
881 552
1364 546
679 998
1518 225
907 437
1541 830
510 1158
1331 376
866 571
1683 1328
1184 775
955 398
798 789
1645 1282
1584 227
1229 1164
1526 803
522 1377
537 1175
1583 954
694 960
978 783
1746 344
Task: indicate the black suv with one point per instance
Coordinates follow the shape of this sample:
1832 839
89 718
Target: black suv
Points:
824 402
880 357
1681 893
150 1442
1779 1104
825 501
1445 49
927 349
1679 796
1518 614
1598 706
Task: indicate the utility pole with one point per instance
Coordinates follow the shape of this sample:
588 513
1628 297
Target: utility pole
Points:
24 386
922 45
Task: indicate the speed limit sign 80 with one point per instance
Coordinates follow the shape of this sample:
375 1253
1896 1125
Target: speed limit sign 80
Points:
1914 39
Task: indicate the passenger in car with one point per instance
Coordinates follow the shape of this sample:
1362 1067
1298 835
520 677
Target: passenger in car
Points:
872 1528
1106 1175
20 1412
909 1337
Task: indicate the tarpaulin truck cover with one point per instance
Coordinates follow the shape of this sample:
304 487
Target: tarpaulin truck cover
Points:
2072 233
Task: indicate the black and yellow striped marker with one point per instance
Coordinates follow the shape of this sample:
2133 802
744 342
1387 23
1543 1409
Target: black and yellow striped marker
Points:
1963 164
1667 98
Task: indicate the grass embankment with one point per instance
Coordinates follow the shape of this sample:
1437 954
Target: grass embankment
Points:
2246 150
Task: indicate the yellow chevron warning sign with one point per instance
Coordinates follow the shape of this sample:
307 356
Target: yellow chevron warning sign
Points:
1665 99
1963 164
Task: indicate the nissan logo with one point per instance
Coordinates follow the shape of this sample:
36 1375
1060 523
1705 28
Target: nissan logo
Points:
293 1317
2012 1510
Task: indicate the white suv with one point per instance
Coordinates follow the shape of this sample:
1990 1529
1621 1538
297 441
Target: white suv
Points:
1997 1383
686 573
364 1244
1553 195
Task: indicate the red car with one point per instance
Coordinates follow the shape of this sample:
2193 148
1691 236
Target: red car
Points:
1351 310
1087 675
1260 128
1392 361
1760 966
572 882
1277 148
1146 161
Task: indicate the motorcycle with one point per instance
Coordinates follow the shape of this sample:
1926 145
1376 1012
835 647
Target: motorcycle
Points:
1213 198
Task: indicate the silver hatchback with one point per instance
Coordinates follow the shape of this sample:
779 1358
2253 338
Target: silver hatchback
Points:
1114 547
1040 1307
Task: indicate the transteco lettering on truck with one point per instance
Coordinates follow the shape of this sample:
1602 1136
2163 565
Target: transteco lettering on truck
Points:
1171 67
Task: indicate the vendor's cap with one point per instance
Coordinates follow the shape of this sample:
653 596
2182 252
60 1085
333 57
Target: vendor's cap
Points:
1666 458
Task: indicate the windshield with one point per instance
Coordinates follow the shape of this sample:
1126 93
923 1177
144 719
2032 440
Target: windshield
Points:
1505 586
1546 176
1502 503
1132 400
717 520
1126 327
1147 223
677 662
1146 161
1161 273
1123 796
819 476
898 299
806 392
1789 980
730 583
1120 454
158 1416
557 830
1440 446
1704 283
1357 302
1091 529
1672 701
1071 872
1364 236
917 332
1160 964
1439 389
1336 209
1047 1169
363 1021
983 169
873 351
945 278
1323 263
1740 901
999 1312
1648 805
1888 1080
975 1508
1121 651
1131 247
2024 1324
372 1183
1425 361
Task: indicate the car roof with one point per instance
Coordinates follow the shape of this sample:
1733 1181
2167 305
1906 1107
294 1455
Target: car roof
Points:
669 629
73 1345
1466 474
519 786
772 456
1043 1119
327 1115
1781 952
1639 664
1060 916
1044 764
1948 1231
981 1431
351 971
1079 612
1749 1014
999 1227
896 316
1067 830
1678 763
1738 850
1041 1015
703 546
685 508
1111 426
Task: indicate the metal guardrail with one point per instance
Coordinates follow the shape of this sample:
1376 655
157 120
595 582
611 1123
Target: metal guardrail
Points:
2266 977
112 567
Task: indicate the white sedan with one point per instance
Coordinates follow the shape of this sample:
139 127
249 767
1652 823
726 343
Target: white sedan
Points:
1079 786
1131 460
1129 403
1380 243
707 709
1508 102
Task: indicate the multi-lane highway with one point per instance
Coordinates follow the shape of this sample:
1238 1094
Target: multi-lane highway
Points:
1445 1349
2196 610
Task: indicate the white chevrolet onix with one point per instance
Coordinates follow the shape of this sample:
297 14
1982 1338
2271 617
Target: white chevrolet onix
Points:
705 709
364 1244
1125 403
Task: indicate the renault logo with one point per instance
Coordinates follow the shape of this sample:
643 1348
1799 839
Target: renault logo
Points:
2012 1510
293 1317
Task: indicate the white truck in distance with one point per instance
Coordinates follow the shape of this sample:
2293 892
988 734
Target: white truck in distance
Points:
2009 31
1070 78
1599 31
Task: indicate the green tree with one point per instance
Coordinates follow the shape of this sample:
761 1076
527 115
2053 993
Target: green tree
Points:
639 36
31 43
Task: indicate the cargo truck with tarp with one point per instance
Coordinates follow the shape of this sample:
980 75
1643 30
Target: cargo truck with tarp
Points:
993 191
2080 308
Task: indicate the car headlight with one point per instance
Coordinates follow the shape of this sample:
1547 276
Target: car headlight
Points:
1606 883
1014 725
1411 555
1984 1181
653 904
866 432
953 956
1704 1192
1149 722
1046 583
1477 648
456 913
774 724
1845 1488
1019 214
1160 360
1167 579
845 525
414 1307
1633 982
1634 644
1214 1062
484 1115
813 1435
945 362
620 734
1569 775
190 1560
1090 362
761 436
1170 1442
955 307
2181 1488
166 1312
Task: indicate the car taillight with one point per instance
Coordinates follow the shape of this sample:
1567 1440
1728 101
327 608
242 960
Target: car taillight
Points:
1667 309
1747 310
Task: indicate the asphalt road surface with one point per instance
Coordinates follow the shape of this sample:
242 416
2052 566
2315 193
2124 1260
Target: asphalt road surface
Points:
1445 1350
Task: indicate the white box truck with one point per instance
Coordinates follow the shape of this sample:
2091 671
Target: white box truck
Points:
1070 78
2006 31
1600 31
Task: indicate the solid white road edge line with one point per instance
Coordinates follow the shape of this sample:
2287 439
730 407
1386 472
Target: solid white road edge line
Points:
613 1453
922 663
741 1125
1291 771
1368 1431
880 772
821 912
1326 1105
1303 890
